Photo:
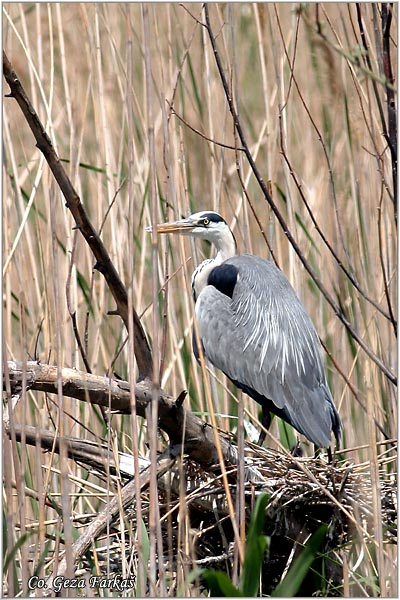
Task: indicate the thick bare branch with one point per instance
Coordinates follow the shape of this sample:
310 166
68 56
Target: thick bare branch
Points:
181 425
74 204
90 453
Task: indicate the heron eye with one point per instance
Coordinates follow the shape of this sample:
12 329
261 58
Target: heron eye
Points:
206 221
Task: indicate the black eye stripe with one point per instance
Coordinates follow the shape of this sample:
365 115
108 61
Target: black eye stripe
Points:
211 217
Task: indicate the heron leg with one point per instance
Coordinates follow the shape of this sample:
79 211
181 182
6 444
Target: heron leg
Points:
296 450
265 422
317 451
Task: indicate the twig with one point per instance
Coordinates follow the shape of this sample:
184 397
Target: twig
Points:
352 58
179 424
106 517
74 204
352 388
383 267
91 454
338 312
255 215
72 312
331 249
387 12
202 135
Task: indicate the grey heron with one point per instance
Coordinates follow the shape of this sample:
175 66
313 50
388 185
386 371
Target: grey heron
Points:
253 327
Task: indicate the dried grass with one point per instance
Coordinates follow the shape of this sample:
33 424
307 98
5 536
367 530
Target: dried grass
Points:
103 78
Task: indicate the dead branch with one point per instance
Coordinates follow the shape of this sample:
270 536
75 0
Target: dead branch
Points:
93 455
387 14
264 188
295 508
74 204
181 425
106 516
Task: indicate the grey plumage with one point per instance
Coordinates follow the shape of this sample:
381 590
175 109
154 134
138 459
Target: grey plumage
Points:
263 338
254 328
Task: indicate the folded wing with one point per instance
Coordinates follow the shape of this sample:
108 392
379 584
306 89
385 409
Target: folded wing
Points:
254 328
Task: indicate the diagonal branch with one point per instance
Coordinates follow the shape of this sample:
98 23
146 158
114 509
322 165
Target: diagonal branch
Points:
106 517
181 425
74 204
237 124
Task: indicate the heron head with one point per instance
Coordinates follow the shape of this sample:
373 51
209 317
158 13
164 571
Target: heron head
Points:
207 225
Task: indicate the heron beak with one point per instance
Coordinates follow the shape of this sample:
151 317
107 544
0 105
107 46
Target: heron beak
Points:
183 226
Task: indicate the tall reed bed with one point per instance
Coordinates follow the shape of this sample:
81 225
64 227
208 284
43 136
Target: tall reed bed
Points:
134 104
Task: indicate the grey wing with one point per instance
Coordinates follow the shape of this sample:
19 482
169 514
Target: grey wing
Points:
263 338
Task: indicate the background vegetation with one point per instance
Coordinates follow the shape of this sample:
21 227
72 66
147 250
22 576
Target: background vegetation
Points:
132 99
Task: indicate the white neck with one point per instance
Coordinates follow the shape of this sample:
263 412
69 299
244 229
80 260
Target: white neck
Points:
226 248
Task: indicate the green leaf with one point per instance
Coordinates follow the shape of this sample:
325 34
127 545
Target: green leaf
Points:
11 555
219 584
287 436
142 570
87 166
255 547
297 572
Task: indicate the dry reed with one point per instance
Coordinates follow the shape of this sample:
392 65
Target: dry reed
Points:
132 100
